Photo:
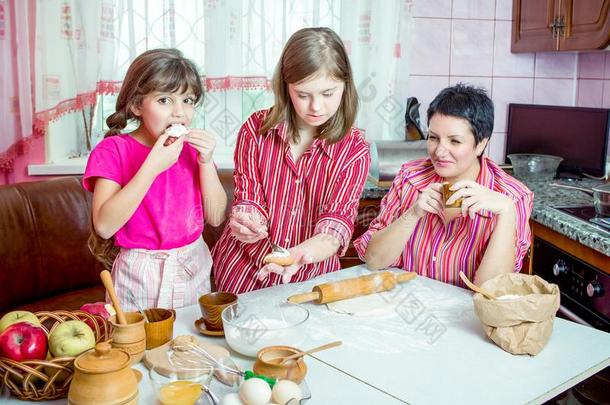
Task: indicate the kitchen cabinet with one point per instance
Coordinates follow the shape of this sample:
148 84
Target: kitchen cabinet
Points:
560 25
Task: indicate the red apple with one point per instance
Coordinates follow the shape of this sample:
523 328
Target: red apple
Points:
98 308
23 341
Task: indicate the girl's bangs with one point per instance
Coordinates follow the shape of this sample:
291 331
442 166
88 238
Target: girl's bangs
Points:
179 79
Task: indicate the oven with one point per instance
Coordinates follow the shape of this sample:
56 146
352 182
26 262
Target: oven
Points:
585 299
585 290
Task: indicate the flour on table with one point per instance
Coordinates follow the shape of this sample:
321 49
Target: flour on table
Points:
367 306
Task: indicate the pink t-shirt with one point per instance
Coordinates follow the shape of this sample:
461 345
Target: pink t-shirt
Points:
171 213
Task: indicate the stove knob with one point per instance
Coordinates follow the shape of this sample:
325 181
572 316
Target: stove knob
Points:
595 289
560 268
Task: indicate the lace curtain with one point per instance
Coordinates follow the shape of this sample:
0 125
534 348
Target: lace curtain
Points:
83 49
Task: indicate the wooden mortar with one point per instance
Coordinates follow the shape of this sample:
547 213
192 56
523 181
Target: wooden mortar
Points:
131 337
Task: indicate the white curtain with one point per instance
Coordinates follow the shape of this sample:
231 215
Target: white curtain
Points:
85 47
16 72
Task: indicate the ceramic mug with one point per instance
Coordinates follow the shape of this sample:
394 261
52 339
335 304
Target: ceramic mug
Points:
160 326
211 306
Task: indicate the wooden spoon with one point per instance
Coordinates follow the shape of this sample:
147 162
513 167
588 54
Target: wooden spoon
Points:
282 360
107 281
476 288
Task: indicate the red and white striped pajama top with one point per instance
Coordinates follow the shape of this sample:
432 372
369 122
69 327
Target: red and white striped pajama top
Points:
438 250
317 194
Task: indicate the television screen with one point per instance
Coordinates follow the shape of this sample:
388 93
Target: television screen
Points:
578 134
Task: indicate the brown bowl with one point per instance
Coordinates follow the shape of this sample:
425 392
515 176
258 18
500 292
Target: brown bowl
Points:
211 306
293 370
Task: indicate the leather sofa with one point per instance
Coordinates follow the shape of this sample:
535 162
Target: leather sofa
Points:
45 263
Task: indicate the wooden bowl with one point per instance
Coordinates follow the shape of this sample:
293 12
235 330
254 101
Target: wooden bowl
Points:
293 370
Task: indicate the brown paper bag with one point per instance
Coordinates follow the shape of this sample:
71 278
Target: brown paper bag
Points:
521 325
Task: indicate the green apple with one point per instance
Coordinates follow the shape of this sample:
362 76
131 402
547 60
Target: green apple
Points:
17 316
70 339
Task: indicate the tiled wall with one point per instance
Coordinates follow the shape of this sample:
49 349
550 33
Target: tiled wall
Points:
469 41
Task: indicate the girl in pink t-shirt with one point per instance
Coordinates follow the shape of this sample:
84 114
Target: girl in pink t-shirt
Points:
148 186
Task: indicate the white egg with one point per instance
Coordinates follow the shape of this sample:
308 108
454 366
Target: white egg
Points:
286 390
255 392
232 399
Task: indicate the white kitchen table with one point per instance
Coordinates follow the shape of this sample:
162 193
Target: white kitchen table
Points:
429 348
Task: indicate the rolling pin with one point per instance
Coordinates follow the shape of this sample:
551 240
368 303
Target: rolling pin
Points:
353 287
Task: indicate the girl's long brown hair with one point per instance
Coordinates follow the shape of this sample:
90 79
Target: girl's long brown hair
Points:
156 70
309 51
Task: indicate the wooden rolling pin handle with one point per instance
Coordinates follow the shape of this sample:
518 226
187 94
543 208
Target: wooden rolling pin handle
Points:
305 297
405 276
107 281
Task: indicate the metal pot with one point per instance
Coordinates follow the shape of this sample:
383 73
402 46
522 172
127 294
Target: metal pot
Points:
601 197
388 156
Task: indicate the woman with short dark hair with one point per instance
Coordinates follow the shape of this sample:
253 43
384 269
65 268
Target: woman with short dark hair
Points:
482 229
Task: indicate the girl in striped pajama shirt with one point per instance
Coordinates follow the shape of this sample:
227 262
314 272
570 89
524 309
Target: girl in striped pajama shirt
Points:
151 195
415 231
300 168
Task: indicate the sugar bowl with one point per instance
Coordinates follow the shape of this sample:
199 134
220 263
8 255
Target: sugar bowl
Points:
103 376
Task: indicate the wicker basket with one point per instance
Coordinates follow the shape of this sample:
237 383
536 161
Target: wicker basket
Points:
43 380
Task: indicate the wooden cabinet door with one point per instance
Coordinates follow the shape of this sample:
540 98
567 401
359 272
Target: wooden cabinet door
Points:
587 24
367 211
532 20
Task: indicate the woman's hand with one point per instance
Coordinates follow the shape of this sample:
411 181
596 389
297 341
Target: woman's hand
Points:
204 142
248 227
478 198
161 157
300 258
429 200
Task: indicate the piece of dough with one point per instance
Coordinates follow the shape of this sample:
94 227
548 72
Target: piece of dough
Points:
278 258
367 306
174 131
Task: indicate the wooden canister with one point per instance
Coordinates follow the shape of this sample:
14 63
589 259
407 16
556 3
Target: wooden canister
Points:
103 376
160 326
131 337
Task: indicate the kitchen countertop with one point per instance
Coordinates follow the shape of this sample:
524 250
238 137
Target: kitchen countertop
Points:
545 197
372 191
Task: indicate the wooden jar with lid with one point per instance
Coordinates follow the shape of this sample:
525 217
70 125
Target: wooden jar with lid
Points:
103 376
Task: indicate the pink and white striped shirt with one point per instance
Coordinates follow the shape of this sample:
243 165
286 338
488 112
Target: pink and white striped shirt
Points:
319 193
438 250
